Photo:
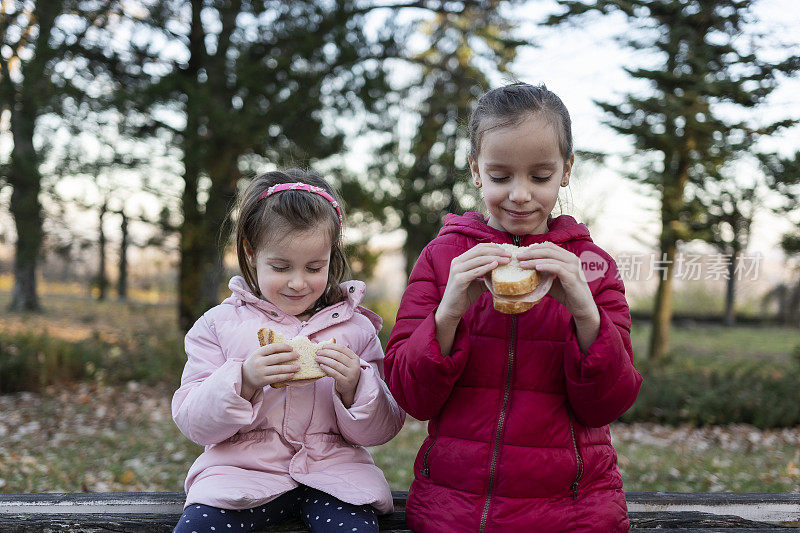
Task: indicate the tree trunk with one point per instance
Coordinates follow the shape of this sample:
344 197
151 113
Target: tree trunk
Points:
101 281
191 231
191 254
25 105
122 280
662 314
793 306
27 211
730 291
202 251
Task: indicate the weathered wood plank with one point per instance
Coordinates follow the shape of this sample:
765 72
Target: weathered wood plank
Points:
764 507
694 519
157 512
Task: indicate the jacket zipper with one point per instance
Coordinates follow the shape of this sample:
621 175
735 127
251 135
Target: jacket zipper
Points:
578 460
500 422
426 471
502 418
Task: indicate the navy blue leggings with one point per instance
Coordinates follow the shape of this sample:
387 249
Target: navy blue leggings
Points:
319 511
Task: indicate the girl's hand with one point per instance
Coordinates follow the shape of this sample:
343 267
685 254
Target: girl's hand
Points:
342 364
267 365
465 283
569 286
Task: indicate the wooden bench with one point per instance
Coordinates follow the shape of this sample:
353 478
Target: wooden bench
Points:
159 511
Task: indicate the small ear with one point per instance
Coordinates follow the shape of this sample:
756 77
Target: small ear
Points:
475 170
248 251
567 171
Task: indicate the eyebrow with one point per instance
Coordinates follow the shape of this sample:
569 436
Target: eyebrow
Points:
547 164
284 260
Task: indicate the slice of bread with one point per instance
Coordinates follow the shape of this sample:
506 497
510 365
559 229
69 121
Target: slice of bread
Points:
512 279
309 369
510 307
513 305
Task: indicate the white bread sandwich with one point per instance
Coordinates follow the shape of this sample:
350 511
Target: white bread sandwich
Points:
513 287
309 368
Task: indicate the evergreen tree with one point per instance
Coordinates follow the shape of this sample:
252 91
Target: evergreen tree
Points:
50 53
466 43
690 125
269 83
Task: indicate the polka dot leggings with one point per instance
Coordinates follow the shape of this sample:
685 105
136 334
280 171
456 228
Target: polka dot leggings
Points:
319 511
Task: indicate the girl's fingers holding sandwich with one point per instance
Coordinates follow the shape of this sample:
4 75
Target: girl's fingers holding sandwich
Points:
275 347
278 370
278 378
485 252
344 370
545 250
345 363
281 357
338 348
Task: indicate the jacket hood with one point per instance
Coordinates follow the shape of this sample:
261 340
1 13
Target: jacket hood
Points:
561 230
352 290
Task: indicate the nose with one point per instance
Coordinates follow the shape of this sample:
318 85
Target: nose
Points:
519 193
297 282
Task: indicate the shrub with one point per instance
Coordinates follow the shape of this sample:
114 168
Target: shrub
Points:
30 360
761 393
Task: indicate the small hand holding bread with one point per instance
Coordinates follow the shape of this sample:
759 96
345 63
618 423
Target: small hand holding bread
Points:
307 351
515 289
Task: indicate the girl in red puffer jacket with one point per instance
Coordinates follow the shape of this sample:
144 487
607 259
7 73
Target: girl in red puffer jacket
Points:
519 405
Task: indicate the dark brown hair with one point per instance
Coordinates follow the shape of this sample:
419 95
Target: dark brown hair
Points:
510 105
260 222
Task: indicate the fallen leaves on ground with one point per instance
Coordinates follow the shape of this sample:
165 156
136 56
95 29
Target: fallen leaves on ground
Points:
95 438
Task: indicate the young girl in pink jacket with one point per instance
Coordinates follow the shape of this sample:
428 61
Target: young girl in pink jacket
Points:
295 451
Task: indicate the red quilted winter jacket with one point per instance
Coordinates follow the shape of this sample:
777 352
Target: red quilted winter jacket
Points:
518 437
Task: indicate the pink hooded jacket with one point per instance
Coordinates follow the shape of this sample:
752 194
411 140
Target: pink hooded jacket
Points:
257 451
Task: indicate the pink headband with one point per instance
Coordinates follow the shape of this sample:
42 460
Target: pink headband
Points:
303 187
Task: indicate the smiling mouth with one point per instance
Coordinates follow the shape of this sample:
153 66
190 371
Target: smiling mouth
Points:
297 297
518 214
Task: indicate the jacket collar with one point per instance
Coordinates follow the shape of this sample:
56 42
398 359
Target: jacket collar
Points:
561 230
353 291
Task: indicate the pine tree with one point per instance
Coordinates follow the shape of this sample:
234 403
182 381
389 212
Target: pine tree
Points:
51 53
466 43
689 126
257 85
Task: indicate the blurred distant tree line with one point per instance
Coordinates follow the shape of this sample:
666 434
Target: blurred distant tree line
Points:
174 102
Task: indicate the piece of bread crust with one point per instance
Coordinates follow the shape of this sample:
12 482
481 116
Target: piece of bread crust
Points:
512 307
309 368
511 279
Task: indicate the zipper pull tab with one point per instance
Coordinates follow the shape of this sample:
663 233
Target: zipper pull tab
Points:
426 472
574 490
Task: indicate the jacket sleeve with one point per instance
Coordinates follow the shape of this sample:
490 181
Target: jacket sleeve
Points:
602 383
208 407
374 418
418 374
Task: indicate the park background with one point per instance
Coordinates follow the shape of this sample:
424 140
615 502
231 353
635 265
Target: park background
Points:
127 126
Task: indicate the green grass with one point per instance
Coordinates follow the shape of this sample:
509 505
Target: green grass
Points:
396 458
710 341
